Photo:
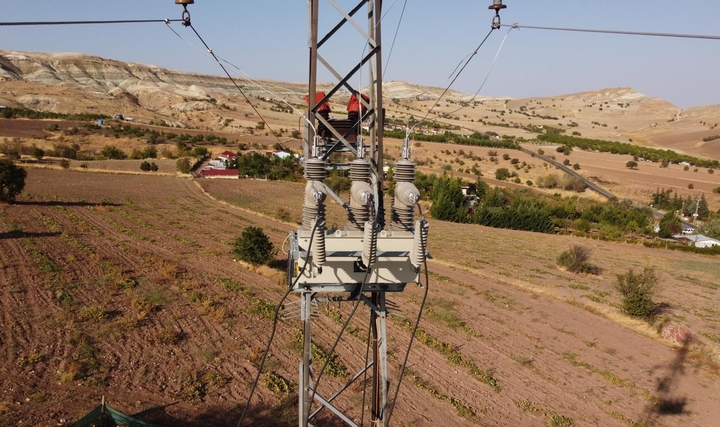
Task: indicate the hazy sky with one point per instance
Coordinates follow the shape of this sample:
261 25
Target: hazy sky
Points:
268 39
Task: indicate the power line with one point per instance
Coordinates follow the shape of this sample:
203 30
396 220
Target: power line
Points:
487 76
274 328
414 331
126 21
392 46
455 78
227 73
627 33
261 86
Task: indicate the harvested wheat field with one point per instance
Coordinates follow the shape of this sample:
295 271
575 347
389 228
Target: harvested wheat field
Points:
124 286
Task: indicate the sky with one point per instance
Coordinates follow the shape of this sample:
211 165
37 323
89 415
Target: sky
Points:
268 40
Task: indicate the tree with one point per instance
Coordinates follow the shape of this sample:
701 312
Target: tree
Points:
112 152
183 165
145 166
703 210
577 260
38 153
12 180
632 164
711 229
448 200
637 291
502 174
254 246
670 225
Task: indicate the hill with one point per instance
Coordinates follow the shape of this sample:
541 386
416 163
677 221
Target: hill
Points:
74 83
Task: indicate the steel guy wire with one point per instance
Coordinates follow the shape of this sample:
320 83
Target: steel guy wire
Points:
233 80
453 80
274 327
620 32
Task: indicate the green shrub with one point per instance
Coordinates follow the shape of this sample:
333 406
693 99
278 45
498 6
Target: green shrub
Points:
12 180
112 152
637 291
502 174
183 165
576 260
254 246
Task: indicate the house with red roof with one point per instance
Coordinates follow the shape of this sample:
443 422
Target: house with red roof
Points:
219 173
227 155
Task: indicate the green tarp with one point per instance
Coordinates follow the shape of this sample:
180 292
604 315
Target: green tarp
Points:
105 416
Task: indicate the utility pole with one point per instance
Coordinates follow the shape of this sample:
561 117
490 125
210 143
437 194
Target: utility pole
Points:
367 258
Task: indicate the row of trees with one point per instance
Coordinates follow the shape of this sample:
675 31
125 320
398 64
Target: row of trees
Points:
525 210
614 147
476 139
16 113
256 165
687 206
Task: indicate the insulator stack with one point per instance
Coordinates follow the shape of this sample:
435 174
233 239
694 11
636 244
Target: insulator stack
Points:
369 255
419 247
360 193
314 205
404 171
318 243
403 208
315 170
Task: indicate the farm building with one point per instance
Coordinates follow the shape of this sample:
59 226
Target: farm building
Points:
701 241
219 173
227 155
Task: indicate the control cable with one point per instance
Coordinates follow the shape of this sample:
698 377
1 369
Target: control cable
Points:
274 327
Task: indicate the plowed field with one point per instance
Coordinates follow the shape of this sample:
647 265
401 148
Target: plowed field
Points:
124 286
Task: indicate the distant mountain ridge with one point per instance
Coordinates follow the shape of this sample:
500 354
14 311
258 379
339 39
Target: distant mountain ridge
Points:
78 83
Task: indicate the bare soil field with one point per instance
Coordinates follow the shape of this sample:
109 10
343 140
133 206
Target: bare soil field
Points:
124 286
32 128
610 172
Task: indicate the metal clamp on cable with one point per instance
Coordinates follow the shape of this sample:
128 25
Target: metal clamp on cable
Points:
497 6
186 12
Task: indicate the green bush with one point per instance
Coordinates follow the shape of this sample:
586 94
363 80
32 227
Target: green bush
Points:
637 291
12 180
502 174
112 152
576 260
254 246
183 165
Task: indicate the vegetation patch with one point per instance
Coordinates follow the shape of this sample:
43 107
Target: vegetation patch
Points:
577 260
572 358
452 354
277 383
464 410
554 419
254 246
637 292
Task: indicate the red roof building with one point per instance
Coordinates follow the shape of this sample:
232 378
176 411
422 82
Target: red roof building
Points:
220 173
226 155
